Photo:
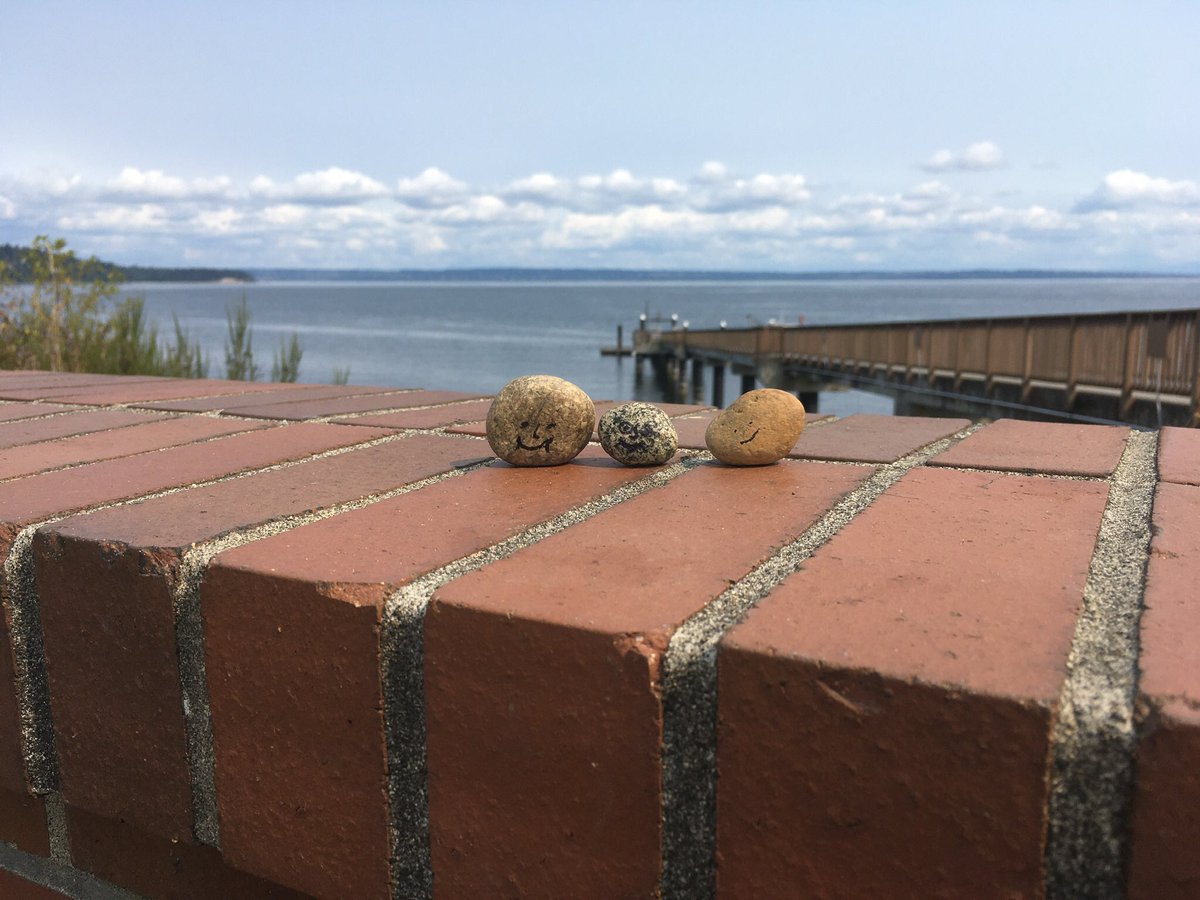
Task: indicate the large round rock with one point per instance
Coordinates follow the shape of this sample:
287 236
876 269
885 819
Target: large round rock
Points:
758 428
638 434
540 420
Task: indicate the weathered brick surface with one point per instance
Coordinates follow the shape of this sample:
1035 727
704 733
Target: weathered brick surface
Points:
28 431
292 642
1166 804
1048 447
106 583
434 417
52 493
15 887
558 783
152 866
308 409
885 714
878 439
11 411
1179 455
22 815
35 386
145 391
155 434
271 393
28 500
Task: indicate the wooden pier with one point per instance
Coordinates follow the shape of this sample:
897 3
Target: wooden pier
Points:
1137 367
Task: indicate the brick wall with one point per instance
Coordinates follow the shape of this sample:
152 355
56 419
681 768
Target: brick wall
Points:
279 641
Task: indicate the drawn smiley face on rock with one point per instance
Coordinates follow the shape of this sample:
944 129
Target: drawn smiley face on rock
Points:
638 434
757 429
540 420
533 434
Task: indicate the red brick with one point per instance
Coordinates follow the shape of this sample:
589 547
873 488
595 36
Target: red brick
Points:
559 782
691 430
1166 804
153 866
308 409
1049 447
885 713
13 434
145 391
38 497
11 411
14 887
22 815
434 417
879 439
264 393
106 582
154 435
31 388
297 723
1179 455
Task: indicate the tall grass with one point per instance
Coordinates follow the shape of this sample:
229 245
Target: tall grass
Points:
68 319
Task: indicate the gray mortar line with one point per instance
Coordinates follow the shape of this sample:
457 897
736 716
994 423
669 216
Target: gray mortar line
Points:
59 876
689 686
402 670
378 412
1047 476
56 828
1091 767
189 637
25 632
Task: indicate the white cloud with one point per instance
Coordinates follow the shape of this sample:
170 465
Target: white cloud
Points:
332 185
152 184
143 217
1126 188
431 189
712 217
977 157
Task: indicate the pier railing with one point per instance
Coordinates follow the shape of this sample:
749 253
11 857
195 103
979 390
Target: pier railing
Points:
1128 356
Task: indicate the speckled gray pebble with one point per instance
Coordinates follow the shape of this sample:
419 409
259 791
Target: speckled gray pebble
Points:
540 420
638 434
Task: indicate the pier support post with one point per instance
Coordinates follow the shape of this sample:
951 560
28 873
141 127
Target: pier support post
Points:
810 399
718 386
620 339
697 375
748 381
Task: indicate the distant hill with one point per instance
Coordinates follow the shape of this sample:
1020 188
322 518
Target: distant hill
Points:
13 258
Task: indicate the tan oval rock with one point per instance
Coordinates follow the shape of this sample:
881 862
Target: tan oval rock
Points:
638 434
758 428
540 420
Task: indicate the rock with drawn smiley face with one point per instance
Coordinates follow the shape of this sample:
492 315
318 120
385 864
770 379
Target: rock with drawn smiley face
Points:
540 420
758 428
638 434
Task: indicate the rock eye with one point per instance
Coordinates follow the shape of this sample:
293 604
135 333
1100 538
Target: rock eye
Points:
524 424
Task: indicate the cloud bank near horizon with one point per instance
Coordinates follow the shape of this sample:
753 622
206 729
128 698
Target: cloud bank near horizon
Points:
712 218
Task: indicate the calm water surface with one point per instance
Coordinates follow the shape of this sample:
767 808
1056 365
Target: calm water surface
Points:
478 336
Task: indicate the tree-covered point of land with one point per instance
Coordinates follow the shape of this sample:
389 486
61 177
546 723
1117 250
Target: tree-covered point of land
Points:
17 262
63 314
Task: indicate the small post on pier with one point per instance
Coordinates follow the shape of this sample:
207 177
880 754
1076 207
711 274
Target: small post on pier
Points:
718 386
620 339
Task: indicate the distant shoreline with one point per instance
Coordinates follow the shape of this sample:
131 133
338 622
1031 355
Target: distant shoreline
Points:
665 275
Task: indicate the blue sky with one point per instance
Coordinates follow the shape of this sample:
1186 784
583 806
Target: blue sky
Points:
793 136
